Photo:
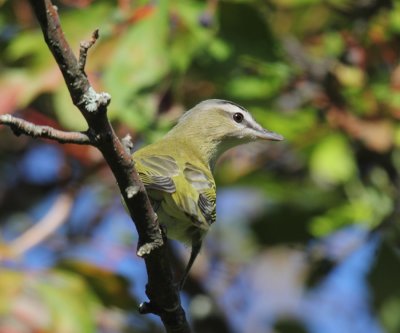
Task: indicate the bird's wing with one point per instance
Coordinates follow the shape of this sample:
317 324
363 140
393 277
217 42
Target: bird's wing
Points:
204 184
207 205
195 197
156 172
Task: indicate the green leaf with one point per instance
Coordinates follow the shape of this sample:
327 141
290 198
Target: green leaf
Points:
139 63
29 46
293 126
332 160
341 216
294 3
70 302
350 76
333 44
67 114
187 37
394 17
141 112
219 49
365 205
53 301
249 87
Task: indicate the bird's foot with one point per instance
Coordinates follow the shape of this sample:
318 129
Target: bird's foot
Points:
163 229
127 144
150 307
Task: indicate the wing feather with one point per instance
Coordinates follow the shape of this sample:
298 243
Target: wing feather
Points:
207 205
195 199
162 165
205 185
156 172
197 178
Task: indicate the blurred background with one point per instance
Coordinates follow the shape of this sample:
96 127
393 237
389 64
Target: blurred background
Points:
307 234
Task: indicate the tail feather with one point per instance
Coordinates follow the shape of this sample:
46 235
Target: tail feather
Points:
193 255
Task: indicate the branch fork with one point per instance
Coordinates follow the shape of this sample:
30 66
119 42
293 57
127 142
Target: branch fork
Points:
94 102
161 290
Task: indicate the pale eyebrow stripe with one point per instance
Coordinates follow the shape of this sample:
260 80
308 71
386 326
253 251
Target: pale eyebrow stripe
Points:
222 101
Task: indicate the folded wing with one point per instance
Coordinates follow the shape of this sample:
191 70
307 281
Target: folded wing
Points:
192 190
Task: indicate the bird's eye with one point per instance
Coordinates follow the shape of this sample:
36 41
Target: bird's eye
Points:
238 117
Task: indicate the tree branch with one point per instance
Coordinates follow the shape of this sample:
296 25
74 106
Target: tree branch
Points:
54 218
20 126
84 48
161 289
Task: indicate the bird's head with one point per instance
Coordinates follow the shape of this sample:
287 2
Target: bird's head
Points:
224 120
216 125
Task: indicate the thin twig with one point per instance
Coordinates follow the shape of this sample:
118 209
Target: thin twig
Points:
84 48
20 126
54 218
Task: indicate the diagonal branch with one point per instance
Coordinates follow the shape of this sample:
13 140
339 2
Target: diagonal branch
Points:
161 290
20 126
75 79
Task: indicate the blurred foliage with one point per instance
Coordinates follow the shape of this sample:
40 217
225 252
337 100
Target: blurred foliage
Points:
325 74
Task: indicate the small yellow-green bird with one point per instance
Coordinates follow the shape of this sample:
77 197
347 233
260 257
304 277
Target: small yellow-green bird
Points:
177 170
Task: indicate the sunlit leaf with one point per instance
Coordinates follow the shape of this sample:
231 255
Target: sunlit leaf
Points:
350 76
333 44
68 115
187 37
294 3
388 314
294 126
140 62
249 87
332 160
394 17
28 46
69 302
48 302
219 49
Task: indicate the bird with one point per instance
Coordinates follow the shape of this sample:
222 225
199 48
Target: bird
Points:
177 171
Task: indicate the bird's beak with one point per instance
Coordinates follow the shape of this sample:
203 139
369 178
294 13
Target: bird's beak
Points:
265 134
